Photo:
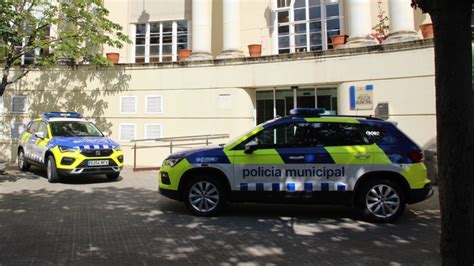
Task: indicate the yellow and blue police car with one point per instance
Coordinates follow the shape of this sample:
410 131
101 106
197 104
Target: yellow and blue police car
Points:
305 157
67 144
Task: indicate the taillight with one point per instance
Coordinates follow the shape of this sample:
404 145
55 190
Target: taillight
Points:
416 156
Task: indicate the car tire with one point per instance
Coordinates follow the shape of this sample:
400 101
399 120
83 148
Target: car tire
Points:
113 176
381 200
204 196
51 170
23 165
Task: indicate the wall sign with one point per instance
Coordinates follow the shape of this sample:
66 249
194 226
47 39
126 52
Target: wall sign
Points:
361 97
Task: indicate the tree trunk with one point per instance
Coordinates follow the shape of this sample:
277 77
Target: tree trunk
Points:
4 82
455 134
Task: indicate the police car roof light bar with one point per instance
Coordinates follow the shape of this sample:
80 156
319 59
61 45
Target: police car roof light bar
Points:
307 111
62 114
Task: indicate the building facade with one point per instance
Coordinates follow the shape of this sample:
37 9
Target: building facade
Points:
220 89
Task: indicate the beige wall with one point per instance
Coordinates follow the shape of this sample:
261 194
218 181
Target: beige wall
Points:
191 93
256 20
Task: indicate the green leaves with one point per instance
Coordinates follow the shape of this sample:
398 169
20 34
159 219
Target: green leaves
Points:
72 29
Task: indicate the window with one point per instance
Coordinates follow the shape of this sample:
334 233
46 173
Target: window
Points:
160 41
19 104
153 104
43 128
307 25
289 135
334 134
153 131
32 127
128 104
16 130
378 135
128 132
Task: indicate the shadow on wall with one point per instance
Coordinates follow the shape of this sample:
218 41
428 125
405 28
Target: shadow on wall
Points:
83 90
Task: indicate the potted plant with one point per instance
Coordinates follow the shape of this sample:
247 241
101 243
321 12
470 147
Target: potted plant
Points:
255 49
113 57
183 54
381 28
427 30
338 41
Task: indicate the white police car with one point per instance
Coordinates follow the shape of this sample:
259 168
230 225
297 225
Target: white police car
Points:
306 157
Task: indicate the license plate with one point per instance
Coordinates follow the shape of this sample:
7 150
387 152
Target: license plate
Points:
98 163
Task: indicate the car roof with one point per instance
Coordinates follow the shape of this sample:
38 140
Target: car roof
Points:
325 118
62 119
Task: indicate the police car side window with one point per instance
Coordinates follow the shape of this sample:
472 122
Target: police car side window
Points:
335 134
288 135
33 127
43 128
378 135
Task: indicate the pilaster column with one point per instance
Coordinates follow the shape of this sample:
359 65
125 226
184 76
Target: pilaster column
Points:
359 23
231 30
402 22
201 30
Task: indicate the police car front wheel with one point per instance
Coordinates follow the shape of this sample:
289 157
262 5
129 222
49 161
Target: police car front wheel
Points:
23 165
381 200
51 170
204 196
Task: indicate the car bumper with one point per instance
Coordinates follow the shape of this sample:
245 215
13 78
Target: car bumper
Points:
90 171
172 194
418 195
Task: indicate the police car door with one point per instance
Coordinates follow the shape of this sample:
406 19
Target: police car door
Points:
341 155
277 158
31 141
42 139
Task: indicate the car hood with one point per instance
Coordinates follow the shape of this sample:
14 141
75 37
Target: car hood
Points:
201 150
86 142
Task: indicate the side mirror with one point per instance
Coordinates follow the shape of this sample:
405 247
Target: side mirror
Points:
250 147
106 134
39 135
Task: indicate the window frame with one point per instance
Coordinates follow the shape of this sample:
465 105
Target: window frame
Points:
134 133
146 104
154 124
136 105
26 105
147 58
325 42
12 126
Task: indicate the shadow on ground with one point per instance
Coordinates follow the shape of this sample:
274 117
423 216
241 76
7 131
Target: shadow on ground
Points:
109 224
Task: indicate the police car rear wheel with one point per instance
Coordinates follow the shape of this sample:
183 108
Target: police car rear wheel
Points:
203 196
51 171
382 201
23 165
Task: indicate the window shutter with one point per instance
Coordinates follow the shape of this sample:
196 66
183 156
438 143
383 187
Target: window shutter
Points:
16 130
127 132
128 104
19 104
153 131
154 104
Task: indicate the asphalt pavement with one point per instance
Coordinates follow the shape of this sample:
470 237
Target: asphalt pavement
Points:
93 221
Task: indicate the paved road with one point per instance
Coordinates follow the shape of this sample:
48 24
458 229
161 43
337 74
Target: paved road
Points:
93 221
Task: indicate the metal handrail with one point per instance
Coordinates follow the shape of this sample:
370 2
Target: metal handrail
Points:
172 143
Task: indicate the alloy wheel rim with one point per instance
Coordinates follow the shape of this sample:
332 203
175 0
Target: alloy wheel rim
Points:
204 196
382 201
21 160
48 169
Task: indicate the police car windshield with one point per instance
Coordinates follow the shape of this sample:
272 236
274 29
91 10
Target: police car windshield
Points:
74 129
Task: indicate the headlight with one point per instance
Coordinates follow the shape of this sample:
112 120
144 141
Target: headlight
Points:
117 148
172 162
67 149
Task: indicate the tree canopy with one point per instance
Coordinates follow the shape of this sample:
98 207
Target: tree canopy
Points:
44 32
